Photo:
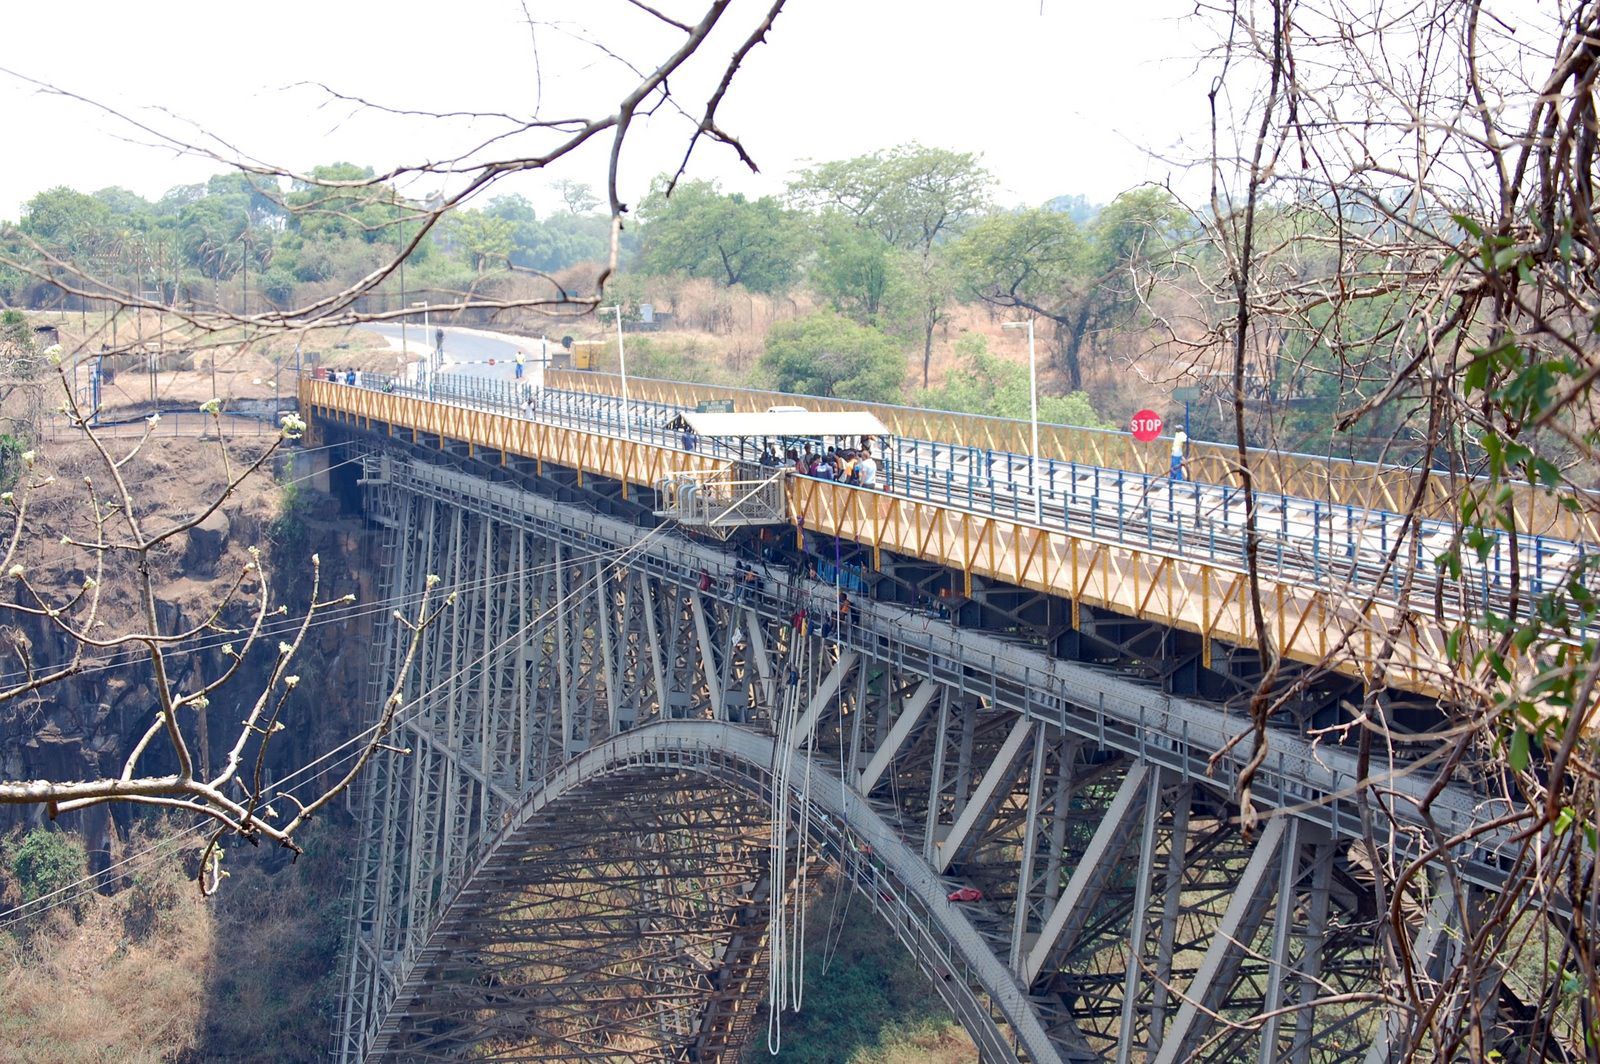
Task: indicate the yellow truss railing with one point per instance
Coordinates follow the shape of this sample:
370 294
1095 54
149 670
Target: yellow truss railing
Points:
1335 627
1362 485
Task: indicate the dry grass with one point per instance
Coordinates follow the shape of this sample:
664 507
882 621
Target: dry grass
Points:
96 990
156 973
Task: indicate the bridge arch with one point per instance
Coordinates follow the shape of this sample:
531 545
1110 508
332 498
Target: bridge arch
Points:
436 1010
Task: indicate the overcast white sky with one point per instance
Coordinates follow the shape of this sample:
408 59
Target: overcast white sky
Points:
1073 99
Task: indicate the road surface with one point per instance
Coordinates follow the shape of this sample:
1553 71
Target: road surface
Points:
466 351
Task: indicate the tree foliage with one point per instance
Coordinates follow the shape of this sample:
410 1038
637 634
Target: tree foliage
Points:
826 354
699 231
861 274
985 383
46 861
911 196
1080 277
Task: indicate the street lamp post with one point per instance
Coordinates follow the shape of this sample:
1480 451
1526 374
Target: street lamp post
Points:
432 359
1033 418
622 369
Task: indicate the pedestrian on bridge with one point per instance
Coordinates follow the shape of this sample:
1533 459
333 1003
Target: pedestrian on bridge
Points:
867 470
1180 454
520 359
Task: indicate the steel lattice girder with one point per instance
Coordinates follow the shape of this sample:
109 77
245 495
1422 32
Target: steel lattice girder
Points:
1112 873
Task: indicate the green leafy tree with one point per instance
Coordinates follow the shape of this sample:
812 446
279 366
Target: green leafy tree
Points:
1078 277
826 354
62 217
860 273
557 242
911 196
45 861
578 197
484 239
914 198
343 200
731 239
983 383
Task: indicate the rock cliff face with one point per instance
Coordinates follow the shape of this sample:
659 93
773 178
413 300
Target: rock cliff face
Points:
85 726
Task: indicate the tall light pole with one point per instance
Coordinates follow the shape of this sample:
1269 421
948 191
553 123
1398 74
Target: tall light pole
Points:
1033 417
622 368
432 367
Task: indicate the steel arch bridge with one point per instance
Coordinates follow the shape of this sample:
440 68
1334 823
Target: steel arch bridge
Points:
564 857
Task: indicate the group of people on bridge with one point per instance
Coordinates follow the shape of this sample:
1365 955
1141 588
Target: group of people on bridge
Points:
844 464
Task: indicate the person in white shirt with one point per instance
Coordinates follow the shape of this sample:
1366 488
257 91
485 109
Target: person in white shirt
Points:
867 471
1180 448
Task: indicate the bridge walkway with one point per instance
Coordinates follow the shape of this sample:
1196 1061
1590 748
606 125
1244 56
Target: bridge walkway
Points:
1338 583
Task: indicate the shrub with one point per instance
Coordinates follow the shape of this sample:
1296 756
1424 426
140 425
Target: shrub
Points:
45 861
825 354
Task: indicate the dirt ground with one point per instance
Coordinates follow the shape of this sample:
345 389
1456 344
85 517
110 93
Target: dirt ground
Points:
178 369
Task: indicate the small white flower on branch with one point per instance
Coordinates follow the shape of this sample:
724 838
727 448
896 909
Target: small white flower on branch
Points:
292 427
200 702
9 498
90 583
269 812
227 650
28 458
433 580
285 649
66 541
16 572
211 406
349 598
290 681
154 419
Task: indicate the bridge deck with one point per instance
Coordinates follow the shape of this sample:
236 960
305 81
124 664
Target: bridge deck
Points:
1343 482
1342 627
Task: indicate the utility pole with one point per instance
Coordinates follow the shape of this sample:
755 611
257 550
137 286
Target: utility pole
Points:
622 368
1033 419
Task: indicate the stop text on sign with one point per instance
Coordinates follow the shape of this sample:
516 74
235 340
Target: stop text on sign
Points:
1146 425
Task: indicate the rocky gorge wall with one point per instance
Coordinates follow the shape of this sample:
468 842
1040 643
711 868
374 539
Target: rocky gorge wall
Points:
85 726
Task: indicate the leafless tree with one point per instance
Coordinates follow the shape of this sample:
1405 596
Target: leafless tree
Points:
1402 199
115 537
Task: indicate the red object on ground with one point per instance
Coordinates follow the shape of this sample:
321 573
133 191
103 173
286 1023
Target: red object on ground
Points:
965 894
1146 425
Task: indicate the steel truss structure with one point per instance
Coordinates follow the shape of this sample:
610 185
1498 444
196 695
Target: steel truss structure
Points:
564 857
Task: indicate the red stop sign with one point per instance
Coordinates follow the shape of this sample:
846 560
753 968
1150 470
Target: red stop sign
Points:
1146 425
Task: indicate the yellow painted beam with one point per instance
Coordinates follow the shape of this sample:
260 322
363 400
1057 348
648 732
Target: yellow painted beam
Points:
1312 625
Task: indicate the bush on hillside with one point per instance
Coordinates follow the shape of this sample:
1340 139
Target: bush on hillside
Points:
45 861
826 354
